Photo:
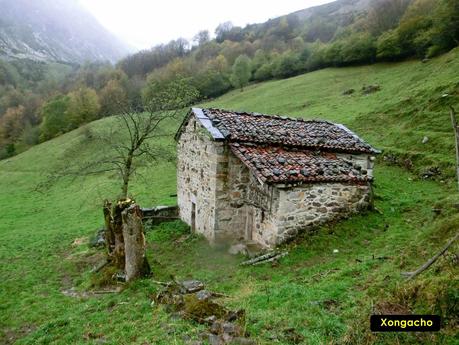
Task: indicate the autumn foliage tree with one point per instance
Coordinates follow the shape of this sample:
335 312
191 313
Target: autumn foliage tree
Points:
83 106
112 96
11 128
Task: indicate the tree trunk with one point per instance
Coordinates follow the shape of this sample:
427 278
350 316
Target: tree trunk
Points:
119 256
134 242
127 175
109 234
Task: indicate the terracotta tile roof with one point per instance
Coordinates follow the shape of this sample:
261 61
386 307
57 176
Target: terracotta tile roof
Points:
274 164
278 130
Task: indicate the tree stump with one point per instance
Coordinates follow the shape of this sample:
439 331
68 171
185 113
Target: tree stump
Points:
109 234
125 238
136 264
119 254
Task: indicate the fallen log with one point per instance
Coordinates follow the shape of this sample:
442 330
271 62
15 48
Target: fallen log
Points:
411 275
259 258
277 257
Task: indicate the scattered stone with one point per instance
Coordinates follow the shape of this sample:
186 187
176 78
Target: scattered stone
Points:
431 173
192 285
215 339
98 240
210 320
425 140
120 276
366 90
226 326
203 295
348 92
230 328
239 248
335 251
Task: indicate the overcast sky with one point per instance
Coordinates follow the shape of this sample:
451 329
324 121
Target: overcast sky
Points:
144 23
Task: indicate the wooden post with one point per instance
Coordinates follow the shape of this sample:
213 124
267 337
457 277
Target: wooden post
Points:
456 133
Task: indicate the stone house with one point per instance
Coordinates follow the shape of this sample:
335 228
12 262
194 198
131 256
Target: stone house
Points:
253 177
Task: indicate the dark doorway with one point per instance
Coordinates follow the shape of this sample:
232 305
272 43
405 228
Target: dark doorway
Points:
193 217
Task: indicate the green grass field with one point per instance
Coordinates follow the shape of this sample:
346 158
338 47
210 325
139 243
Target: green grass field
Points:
327 298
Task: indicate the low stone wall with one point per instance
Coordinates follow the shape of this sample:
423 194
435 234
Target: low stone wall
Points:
309 206
159 214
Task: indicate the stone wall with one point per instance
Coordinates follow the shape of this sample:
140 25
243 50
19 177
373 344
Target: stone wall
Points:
232 181
197 160
245 207
362 161
264 200
308 206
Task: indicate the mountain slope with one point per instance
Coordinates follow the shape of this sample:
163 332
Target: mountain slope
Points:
54 30
311 293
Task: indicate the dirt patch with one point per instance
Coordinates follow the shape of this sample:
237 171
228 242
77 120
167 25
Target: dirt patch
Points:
80 241
390 308
9 336
291 336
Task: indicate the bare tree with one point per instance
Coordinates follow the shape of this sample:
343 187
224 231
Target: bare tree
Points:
201 37
133 138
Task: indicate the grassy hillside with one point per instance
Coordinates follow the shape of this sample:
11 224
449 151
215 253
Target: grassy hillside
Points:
324 297
410 105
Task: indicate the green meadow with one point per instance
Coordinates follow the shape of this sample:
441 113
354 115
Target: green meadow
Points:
325 297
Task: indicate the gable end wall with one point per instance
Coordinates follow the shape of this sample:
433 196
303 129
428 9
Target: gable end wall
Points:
197 160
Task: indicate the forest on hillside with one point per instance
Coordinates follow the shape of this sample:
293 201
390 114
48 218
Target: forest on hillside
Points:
39 101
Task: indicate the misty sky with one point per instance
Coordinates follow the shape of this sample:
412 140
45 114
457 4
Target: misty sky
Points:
144 23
